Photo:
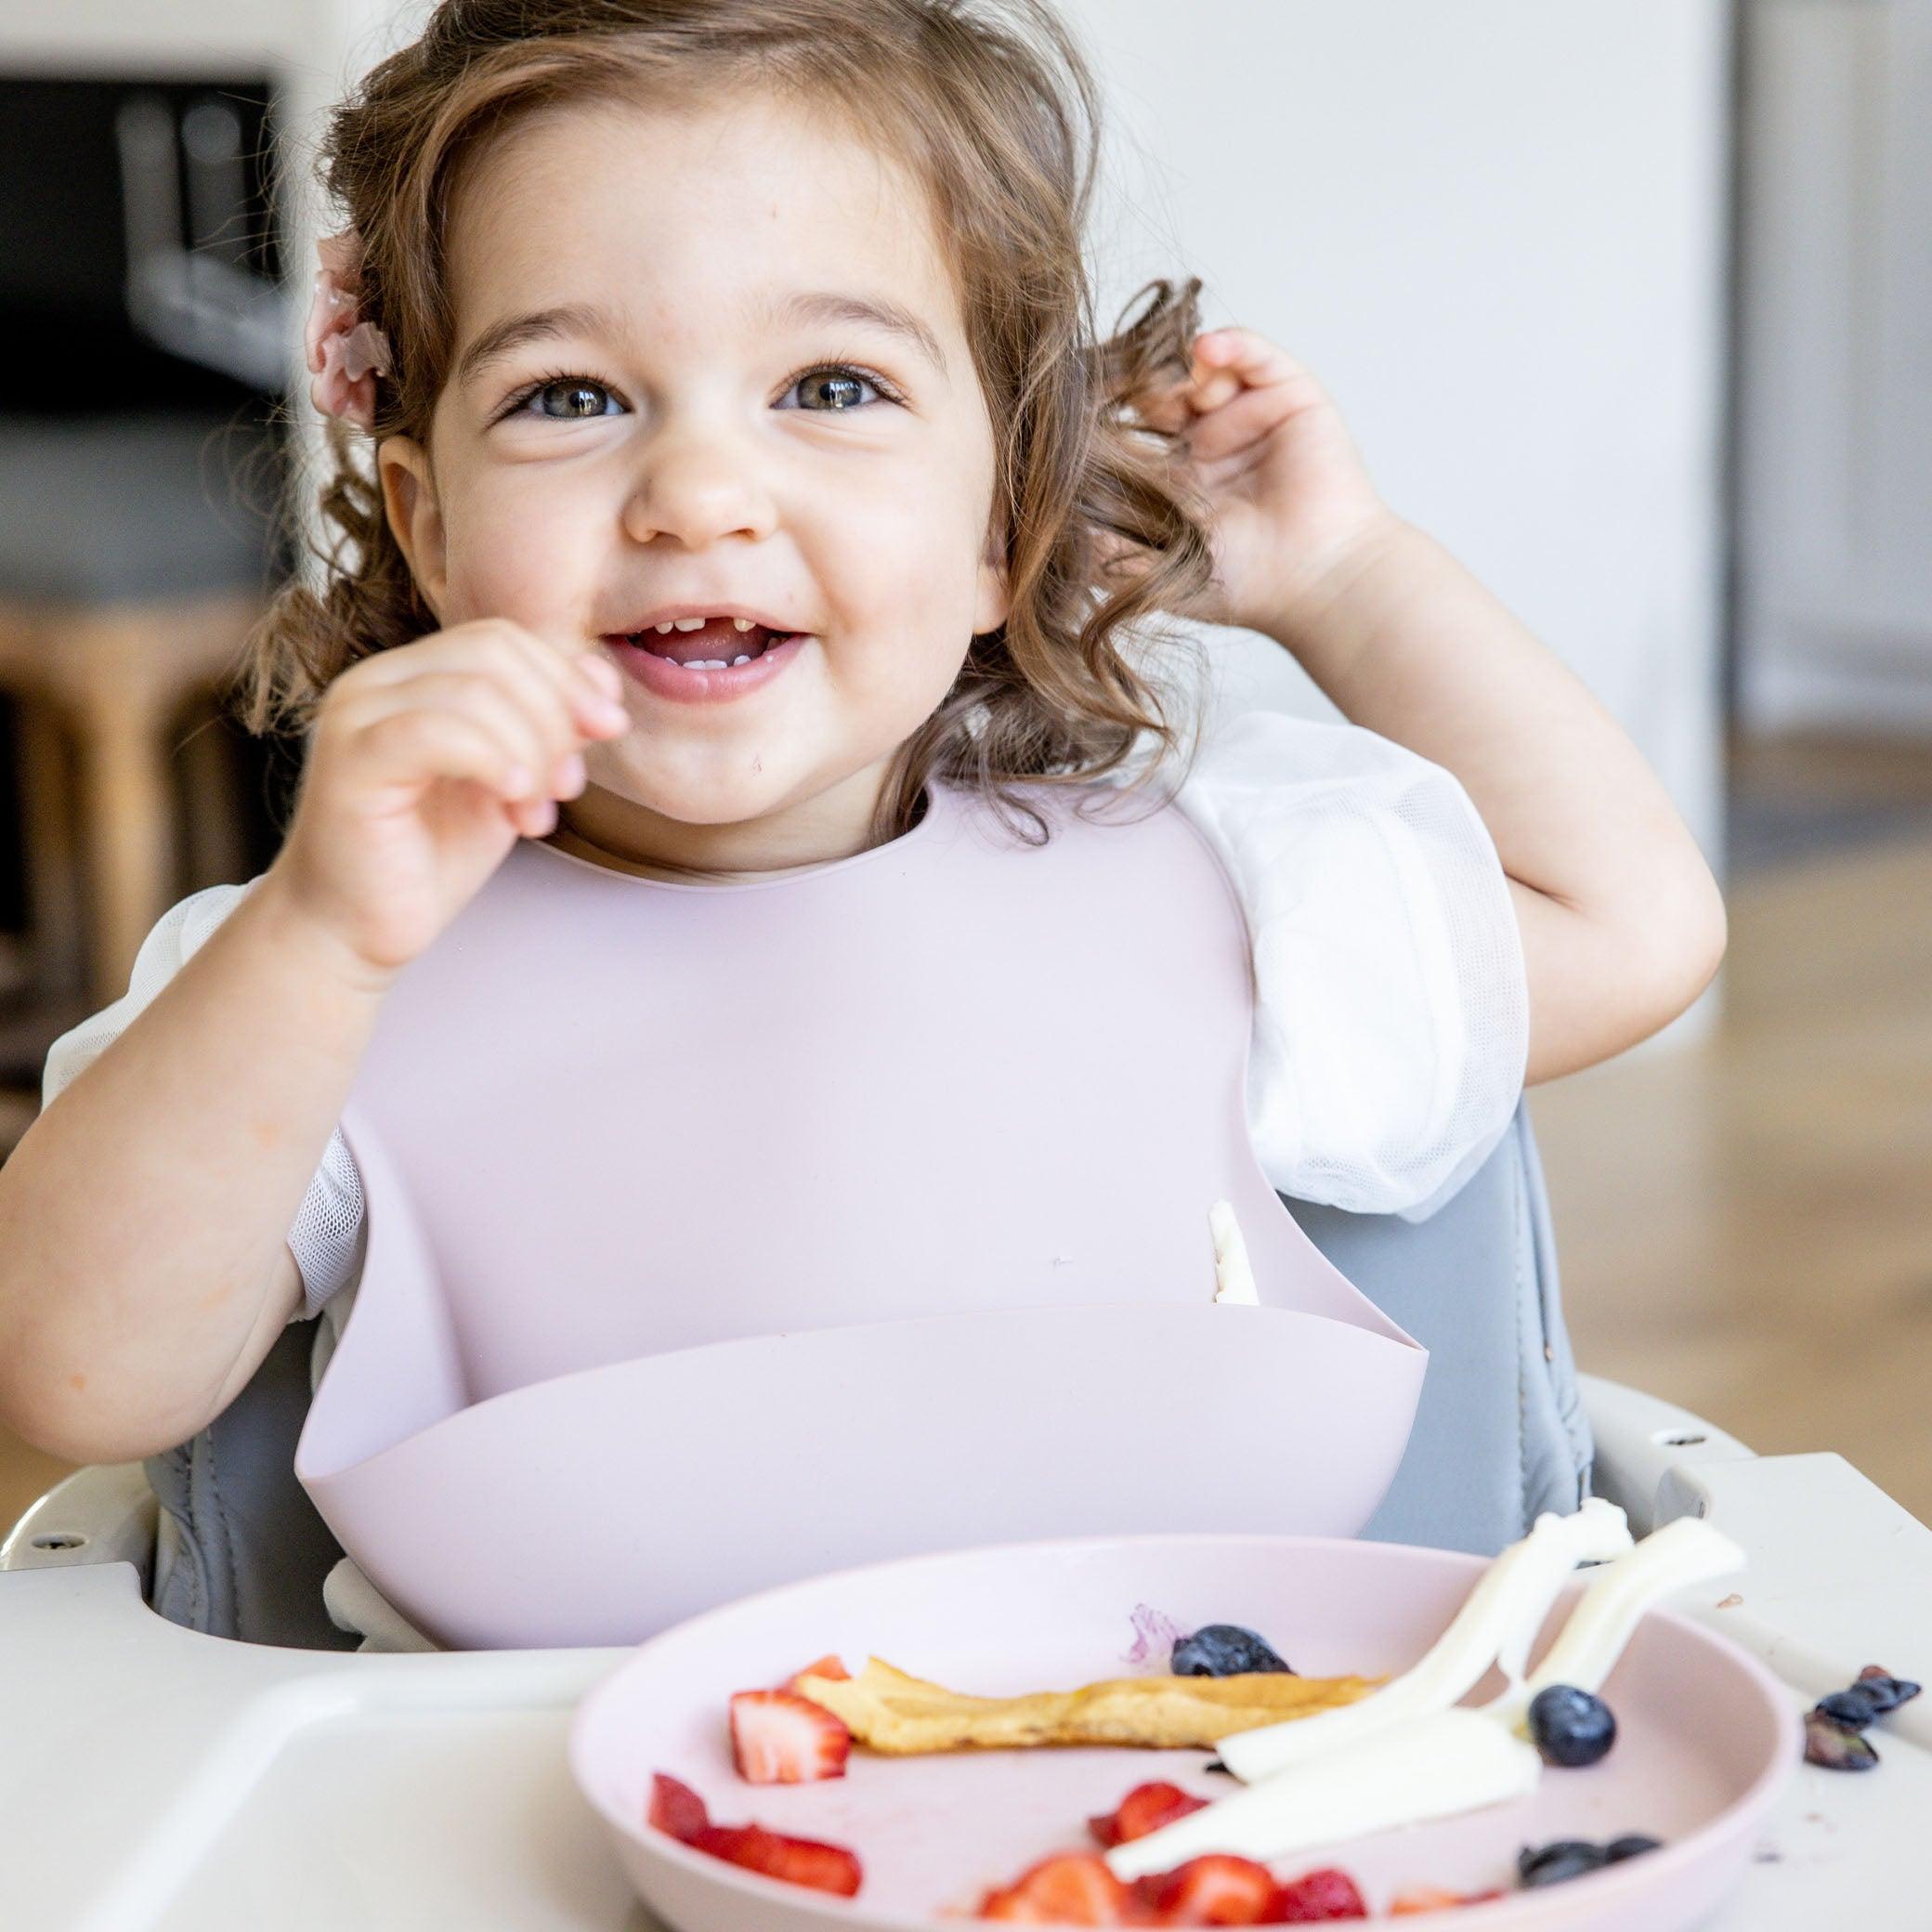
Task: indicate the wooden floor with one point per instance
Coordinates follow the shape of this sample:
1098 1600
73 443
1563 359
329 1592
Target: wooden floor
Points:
1745 1225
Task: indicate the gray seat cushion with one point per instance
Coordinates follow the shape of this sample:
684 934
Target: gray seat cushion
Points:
1500 1435
154 502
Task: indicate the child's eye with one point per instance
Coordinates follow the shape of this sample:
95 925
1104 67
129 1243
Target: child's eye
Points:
837 384
578 394
839 380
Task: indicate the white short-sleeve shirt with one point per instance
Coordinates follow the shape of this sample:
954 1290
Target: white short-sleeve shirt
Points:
1391 1012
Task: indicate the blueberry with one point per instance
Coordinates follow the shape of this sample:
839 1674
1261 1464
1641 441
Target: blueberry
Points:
1635 1845
1835 1746
1552 1864
1857 1707
1224 1651
1886 1692
1571 1727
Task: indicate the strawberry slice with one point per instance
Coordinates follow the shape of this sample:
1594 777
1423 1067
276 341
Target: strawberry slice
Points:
825 1868
1145 1808
779 1737
1432 1897
1218 1890
1075 1889
676 1809
1325 1894
825 1667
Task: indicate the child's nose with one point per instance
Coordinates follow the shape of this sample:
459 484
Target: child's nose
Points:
698 487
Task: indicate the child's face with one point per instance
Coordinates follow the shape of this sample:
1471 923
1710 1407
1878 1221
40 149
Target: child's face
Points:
698 451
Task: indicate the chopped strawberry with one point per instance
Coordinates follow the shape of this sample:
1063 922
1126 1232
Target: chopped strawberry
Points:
1431 1898
676 1809
1145 1808
826 1868
1075 1890
779 1737
1325 1894
825 1667
1218 1890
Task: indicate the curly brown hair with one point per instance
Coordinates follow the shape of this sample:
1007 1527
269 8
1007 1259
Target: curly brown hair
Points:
995 111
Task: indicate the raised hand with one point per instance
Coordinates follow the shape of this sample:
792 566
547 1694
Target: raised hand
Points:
1264 447
426 763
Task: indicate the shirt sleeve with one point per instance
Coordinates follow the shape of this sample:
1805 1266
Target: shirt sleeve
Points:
326 1239
1392 1009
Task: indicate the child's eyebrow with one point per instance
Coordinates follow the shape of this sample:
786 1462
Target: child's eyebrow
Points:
513 333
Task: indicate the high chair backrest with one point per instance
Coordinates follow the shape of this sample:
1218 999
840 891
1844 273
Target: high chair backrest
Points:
1500 1435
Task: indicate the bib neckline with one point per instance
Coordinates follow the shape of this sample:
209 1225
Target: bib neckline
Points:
938 798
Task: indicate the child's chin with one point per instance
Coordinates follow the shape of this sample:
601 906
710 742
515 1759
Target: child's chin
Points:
697 798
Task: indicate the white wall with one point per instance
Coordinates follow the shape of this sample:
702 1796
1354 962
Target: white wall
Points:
1495 230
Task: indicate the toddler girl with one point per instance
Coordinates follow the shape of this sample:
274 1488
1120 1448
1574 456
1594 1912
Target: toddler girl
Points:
742 747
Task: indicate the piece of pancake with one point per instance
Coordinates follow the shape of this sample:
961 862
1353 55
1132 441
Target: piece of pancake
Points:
904 1716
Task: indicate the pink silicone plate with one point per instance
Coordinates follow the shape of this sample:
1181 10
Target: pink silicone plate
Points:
1705 1735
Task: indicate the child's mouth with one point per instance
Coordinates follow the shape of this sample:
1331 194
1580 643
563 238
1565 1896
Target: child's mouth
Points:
717 660
721 645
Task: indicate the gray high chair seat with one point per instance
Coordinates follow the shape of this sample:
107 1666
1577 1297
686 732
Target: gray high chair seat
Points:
1500 1435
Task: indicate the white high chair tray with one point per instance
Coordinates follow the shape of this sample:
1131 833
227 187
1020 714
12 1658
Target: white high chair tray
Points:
153 1780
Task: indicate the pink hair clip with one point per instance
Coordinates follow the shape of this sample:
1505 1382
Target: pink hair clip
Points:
344 355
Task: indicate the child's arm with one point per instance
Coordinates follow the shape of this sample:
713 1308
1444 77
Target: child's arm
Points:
144 1270
1622 922
144 1265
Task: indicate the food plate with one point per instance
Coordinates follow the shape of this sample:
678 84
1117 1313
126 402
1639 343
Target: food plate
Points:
1705 1738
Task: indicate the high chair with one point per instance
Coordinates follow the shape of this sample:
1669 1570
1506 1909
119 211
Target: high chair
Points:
209 1810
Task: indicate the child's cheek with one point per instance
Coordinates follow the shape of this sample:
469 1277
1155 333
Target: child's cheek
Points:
902 568
531 562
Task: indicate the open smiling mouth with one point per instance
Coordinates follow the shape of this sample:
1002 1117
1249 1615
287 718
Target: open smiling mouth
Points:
705 658
711 643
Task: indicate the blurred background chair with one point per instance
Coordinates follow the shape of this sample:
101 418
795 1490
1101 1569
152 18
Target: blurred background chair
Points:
126 591
143 340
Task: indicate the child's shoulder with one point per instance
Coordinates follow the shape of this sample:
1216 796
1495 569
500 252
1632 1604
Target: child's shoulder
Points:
1263 779
1276 755
1392 1009
175 937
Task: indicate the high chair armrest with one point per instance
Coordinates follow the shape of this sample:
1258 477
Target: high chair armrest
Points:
106 1514
1646 1449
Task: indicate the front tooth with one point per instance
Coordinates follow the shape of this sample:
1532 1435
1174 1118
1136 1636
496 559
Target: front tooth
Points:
736 661
689 623
666 626
741 623
705 664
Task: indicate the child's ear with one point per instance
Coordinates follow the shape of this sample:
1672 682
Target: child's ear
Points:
415 518
995 604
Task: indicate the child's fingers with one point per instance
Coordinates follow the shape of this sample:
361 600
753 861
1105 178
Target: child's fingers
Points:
534 817
1238 425
591 685
600 674
538 736
551 680
1223 364
1228 360
415 743
583 683
558 696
